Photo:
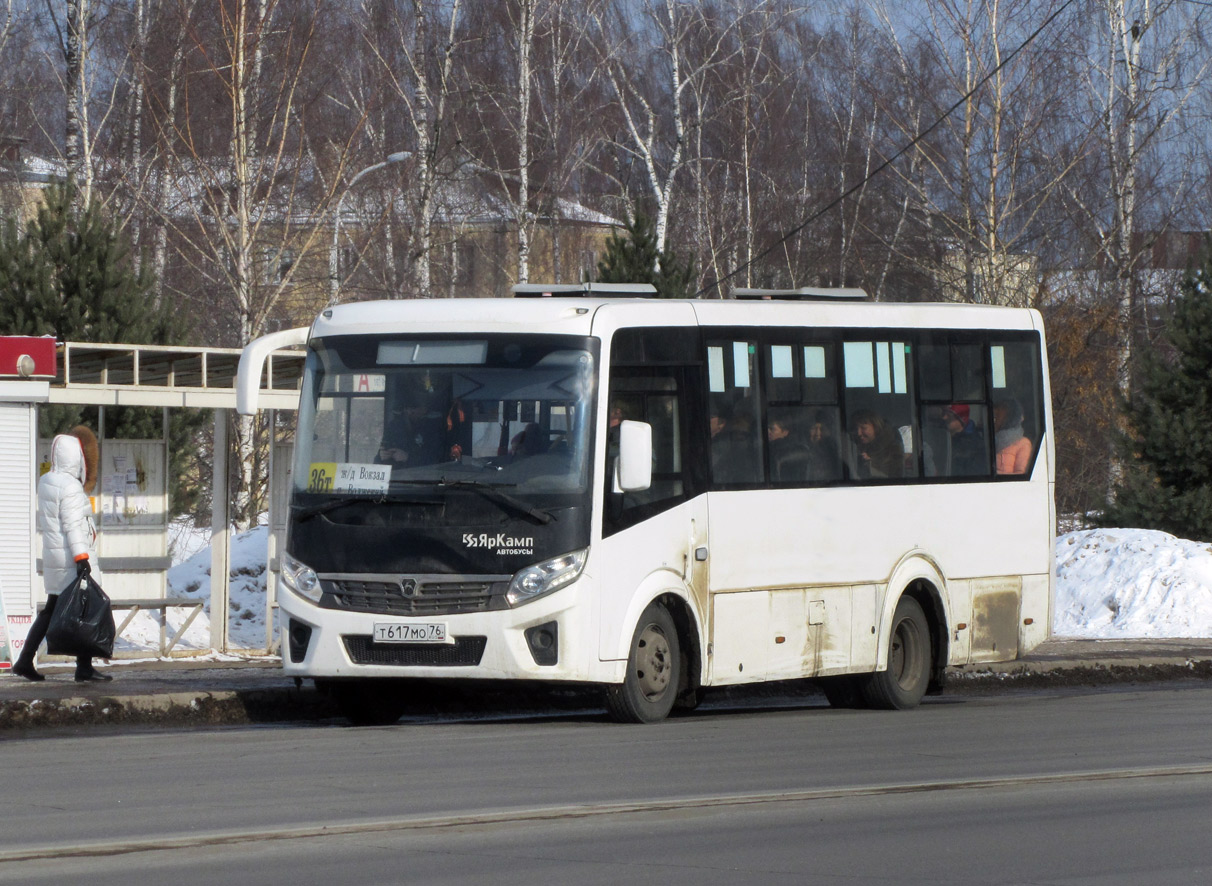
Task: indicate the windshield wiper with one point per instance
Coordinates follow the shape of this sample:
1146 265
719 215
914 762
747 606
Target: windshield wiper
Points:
306 512
494 493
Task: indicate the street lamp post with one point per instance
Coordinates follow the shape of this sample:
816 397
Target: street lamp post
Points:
334 283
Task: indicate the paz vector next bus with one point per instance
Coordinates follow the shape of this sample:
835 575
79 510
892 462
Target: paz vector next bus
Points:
586 484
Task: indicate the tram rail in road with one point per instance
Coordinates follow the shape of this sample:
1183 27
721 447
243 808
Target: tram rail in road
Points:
580 811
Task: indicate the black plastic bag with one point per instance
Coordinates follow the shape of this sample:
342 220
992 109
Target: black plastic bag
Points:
83 622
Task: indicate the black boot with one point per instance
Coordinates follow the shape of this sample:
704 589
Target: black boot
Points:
24 665
92 675
27 670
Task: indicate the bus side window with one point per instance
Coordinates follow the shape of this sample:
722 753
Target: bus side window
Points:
655 400
651 371
878 400
802 440
735 413
1014 378
954 417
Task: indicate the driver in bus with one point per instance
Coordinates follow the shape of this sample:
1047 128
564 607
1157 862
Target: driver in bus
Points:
394 446
529 441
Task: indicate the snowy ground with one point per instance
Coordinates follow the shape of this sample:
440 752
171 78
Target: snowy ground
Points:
190 577
1121 584
1111 584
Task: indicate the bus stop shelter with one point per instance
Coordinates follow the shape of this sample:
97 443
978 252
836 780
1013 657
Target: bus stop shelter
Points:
131 502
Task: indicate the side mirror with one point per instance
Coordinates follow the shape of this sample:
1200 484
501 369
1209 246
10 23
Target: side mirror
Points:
633 467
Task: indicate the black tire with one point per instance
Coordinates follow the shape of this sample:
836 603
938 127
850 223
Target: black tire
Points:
843 692
650 686
904 683
364 703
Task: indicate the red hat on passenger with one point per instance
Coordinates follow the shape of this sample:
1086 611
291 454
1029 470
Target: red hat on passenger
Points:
960 411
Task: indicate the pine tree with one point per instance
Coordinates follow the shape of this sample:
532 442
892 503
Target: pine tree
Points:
634 259
1167 482
69 274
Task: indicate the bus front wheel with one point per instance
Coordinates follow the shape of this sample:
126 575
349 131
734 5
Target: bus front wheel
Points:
904 683
650 686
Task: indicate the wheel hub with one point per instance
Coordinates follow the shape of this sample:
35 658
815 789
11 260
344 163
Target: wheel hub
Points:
652 662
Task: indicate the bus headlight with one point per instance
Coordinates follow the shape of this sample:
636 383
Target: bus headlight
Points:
300 578
543 578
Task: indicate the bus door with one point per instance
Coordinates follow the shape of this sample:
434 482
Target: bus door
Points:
655 540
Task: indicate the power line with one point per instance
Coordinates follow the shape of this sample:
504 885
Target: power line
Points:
921 135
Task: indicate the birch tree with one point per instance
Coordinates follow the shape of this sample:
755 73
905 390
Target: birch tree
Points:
244 202
570 107
989 177
8 21
496 123
76 140
415 45
1148 60
529 120
523 17
653 98
855 125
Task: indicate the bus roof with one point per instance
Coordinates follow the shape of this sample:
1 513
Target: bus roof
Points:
581 315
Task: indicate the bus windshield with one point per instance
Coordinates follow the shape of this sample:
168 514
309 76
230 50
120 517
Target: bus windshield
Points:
387 415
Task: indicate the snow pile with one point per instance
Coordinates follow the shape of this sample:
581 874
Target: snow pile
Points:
190 578
1132 584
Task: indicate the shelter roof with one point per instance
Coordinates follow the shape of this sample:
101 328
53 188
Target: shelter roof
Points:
159 375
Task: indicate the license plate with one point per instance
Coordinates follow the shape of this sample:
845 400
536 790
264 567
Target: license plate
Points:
425 632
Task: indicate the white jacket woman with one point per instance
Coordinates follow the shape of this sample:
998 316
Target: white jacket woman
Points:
65 516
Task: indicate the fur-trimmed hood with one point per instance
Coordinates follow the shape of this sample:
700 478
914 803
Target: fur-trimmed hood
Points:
77 455
92 456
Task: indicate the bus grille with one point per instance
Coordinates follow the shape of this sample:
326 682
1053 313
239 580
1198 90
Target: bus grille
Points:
464 651
419 598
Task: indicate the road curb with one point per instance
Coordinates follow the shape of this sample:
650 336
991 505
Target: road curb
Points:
226 707
1029 674
282 704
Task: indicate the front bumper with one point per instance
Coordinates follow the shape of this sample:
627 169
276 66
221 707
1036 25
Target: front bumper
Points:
545 639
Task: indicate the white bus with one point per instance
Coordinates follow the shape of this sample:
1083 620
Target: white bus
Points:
586 485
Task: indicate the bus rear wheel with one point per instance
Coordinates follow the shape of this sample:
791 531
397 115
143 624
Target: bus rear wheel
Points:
904 683
650 686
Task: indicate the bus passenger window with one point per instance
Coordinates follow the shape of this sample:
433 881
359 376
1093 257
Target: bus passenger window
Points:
878 399
1015 380
735 413
954 417
802 442
956 440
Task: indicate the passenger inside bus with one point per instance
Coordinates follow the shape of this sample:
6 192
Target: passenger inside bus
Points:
969 456
878 451
789 458
1013 446
825 464
732 455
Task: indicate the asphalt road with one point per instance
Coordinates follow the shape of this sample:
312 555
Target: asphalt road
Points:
1068 787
